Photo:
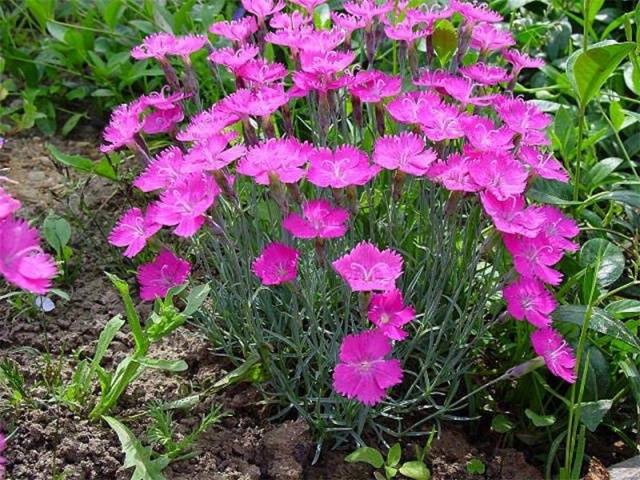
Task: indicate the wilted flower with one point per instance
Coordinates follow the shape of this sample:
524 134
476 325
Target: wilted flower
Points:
345 167
388 312
405 152
165 272
527 298
283 159
8 204
557 354
363 371
277 264
132 231
22 261
319 219
365 268
237 30
185 203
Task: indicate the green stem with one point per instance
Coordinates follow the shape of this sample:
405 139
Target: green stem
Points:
576 175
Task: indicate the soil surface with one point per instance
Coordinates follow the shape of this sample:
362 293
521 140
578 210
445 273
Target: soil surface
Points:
53 440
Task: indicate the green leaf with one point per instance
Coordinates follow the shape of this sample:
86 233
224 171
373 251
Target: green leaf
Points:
622 309
42 10
564 130
78 162
416 470
601 170
600 322
445 39
632 75
196 298
366 455
628 197
71 123
540 420
552 192
630 370
592 413
160 364
250 371
394 454
107 335
137 456
501 424
588 70
616 112
57 232
475 466
104 169
606 257
594 8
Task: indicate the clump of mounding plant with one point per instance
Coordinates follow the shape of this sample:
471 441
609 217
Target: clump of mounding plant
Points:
359 205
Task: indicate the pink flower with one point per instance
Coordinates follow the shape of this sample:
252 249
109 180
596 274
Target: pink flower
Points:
511 216
433 78
544 165
345 167
326 63
156 45
162 121
319 219
454 174
475 12
212 153
287 37
440 122
237 30
521 61
188 44
258 102
185 204
371 86
305 82
262 8
22 261
527 298
459 88
499 174
484 136
233 59
388 312
532 257
367 10
283 159
404 31
406 107
3 447
485 74
165 272
132 231
208 123
363 372
521 116
365 268
8 204
123 126
348 23
557 354
259 72
405 152
488 38
319 40
161 101
277 264
168 166
290 20
308 5
558 229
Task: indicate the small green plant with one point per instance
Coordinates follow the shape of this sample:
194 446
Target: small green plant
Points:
475 466
57 232
164 319
391 465
12 382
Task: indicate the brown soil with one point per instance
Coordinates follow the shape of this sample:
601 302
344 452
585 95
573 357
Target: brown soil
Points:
51 440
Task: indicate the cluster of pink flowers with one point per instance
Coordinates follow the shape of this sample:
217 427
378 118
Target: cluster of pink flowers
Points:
23 263
460 128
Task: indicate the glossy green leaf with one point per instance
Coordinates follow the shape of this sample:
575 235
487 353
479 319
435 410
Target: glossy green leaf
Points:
366 455
57 232
394 454
501 424
445 39
606 257
588 70
601 170
616 113
600 322
628 197
592 413
196 298
415 470
540 420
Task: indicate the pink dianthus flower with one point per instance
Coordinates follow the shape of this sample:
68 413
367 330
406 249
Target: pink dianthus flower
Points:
283 159
405 152
165 272
388 312
277 264
344 167
319 219
132 231
527 298
366 268
557 354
